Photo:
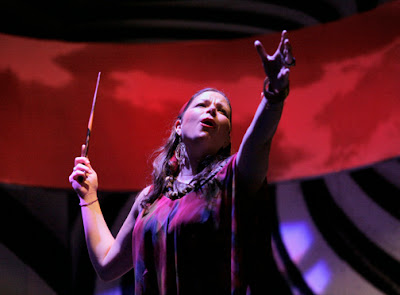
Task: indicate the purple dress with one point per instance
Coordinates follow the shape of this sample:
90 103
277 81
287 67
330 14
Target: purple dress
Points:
203 245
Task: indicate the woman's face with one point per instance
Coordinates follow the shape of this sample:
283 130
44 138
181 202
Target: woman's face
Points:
205 125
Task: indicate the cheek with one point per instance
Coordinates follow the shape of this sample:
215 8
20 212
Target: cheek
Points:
190 116
226 131
189 122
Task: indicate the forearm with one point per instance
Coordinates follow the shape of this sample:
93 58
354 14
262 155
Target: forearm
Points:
97 234
252 158
264 124
253 155
110 257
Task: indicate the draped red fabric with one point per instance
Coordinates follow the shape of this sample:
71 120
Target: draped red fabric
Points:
343 109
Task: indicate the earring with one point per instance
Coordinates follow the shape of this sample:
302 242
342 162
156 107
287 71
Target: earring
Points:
180 152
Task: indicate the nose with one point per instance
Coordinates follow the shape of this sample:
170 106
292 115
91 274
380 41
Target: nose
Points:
212 110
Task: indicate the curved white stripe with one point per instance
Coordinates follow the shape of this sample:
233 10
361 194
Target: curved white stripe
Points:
390 170
377 224
319 259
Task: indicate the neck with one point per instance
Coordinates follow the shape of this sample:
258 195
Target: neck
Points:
187 171
189 168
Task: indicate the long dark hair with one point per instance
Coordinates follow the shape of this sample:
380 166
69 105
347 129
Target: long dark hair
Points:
165 164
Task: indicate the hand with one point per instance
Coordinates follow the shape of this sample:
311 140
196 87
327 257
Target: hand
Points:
87 188
276 67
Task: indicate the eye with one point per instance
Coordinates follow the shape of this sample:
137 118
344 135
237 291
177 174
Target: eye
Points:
223 111
201 104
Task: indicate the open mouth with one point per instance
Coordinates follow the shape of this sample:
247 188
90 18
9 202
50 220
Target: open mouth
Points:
209 123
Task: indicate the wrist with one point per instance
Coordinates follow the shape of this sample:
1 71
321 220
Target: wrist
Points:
89 197
84 203
275 106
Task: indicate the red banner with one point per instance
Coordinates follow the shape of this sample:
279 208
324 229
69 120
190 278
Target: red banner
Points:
342 112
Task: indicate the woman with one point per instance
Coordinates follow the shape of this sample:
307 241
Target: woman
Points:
200 228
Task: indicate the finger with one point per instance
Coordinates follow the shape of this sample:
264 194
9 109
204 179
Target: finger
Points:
75 175
287 47
287 52
71 177
284 37
79 176
284 76
82 167
285 73
82 160
260 50
88 164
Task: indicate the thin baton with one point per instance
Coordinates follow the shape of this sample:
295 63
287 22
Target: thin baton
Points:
84 154
89 130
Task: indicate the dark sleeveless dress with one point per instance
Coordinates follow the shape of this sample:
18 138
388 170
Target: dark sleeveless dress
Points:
202 244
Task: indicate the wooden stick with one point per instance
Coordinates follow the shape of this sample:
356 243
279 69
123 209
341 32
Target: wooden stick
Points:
90 123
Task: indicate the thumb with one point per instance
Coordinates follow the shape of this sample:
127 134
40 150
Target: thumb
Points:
83 150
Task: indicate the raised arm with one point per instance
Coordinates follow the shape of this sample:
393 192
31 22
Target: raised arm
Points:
253 155
111 257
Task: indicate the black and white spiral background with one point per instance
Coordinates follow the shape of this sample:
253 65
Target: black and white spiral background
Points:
338 233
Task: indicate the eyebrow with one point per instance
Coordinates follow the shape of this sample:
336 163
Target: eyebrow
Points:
225 105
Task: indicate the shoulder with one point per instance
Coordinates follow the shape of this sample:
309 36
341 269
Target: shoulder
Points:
144 192
225 169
